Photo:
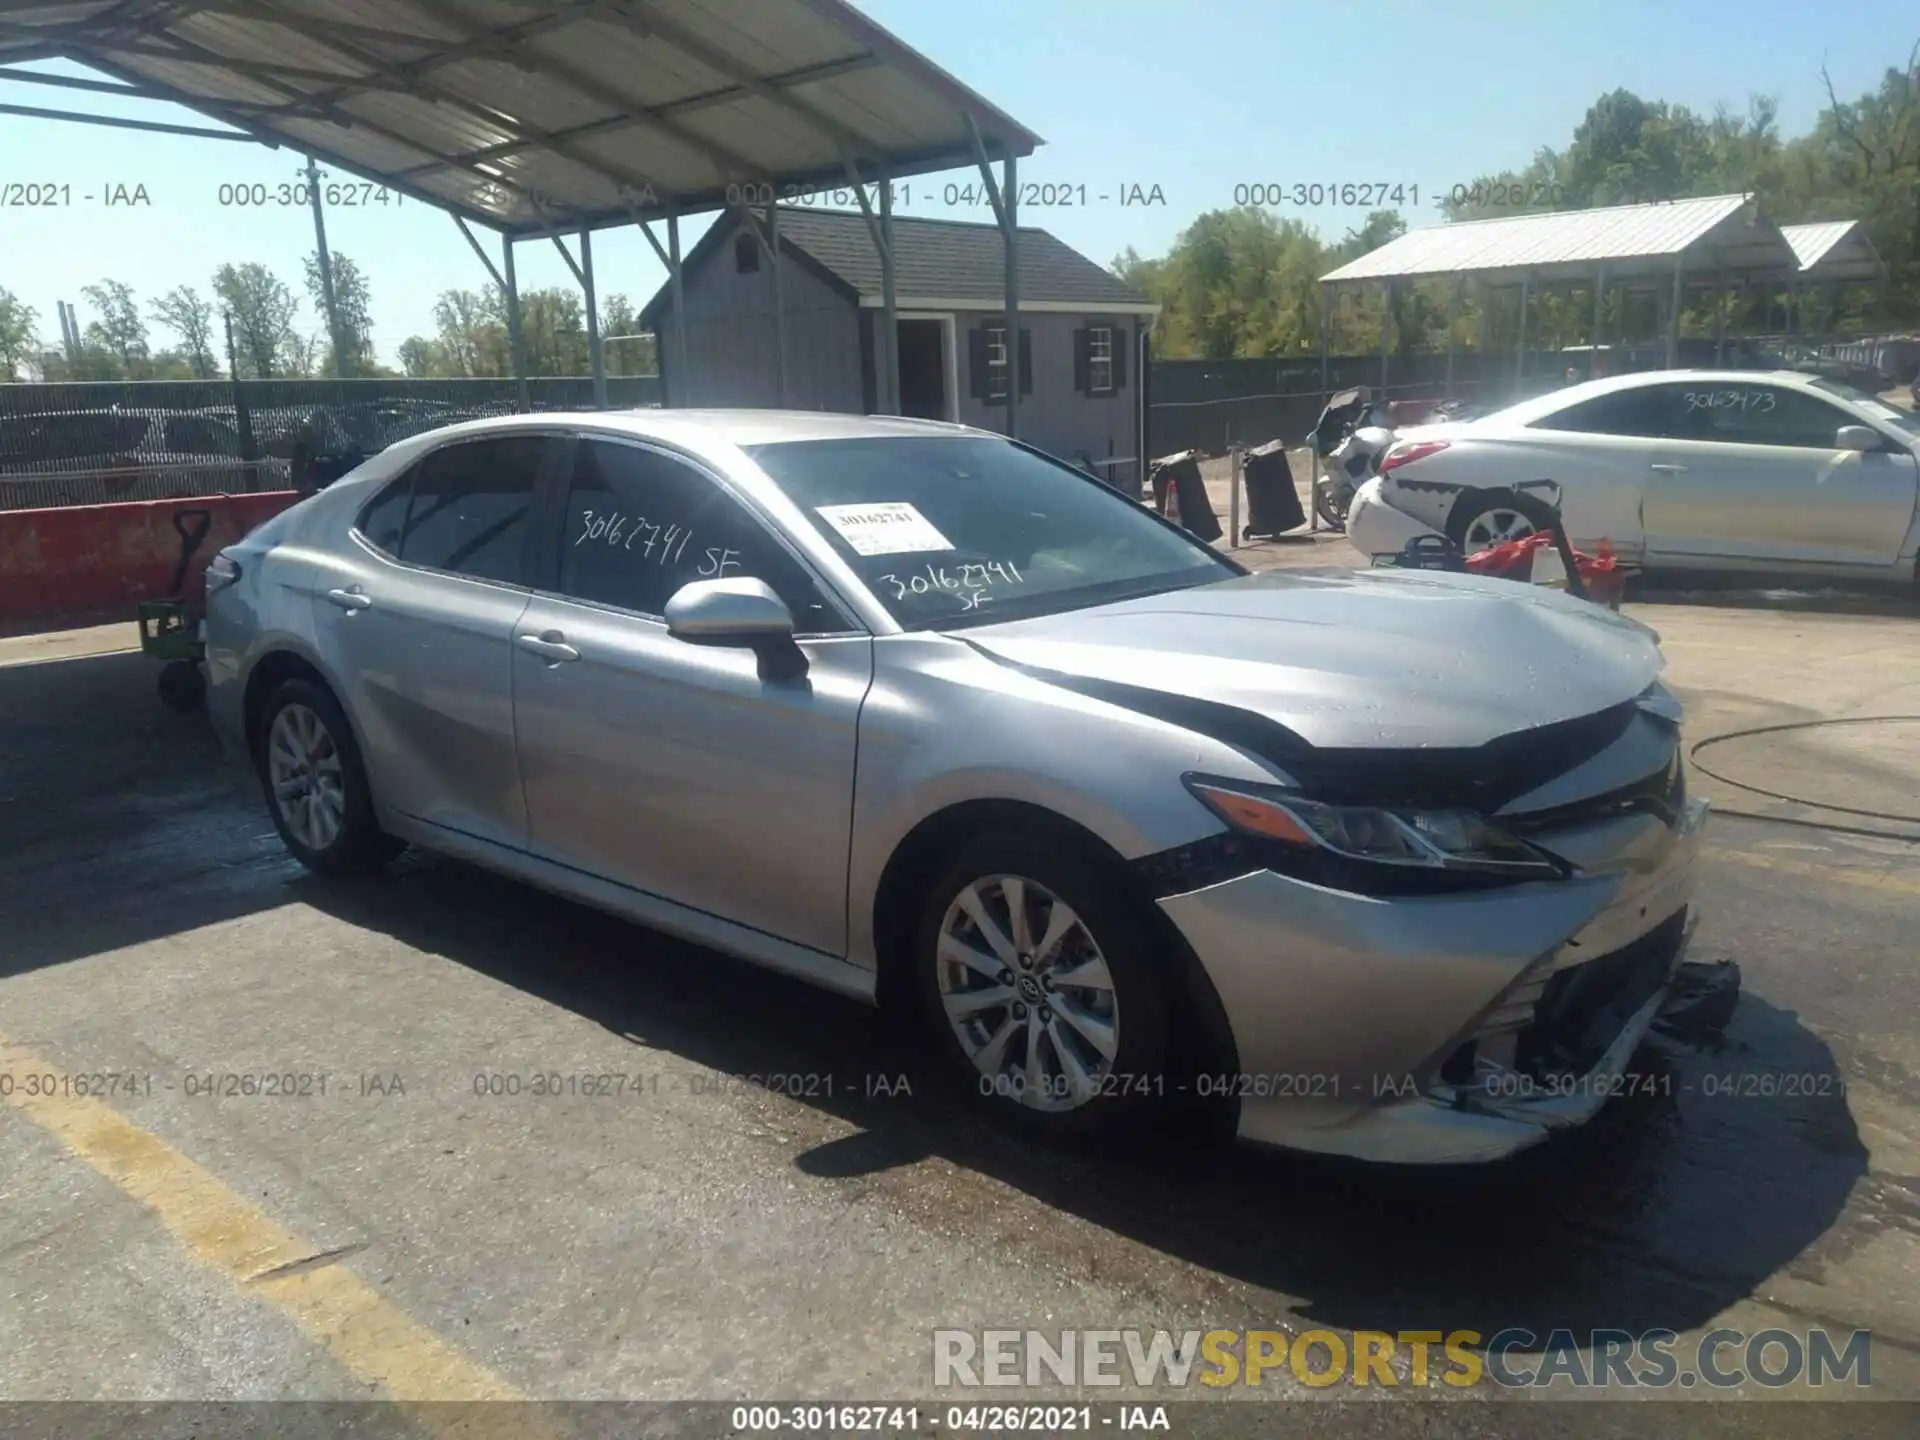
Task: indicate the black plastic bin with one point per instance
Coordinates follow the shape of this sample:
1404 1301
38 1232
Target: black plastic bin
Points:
1273 505
1196 511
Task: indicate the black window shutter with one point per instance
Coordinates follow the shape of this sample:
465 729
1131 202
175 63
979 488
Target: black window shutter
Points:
1026 361
977 363
1082 367
1120 337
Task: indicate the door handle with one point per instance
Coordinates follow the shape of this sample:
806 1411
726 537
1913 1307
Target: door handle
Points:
551 646
354 599
1668 469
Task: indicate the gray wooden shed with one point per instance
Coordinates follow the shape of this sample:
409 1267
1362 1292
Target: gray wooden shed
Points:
1080 351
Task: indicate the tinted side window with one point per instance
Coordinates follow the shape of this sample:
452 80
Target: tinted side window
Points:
385 519
470 507
1759 415
1645 411
196 435
641 524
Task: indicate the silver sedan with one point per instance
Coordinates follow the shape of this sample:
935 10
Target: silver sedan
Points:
1391 864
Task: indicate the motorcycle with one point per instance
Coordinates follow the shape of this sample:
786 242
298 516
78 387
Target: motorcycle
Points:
1349 439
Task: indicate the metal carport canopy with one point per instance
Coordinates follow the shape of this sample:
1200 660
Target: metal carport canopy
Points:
544 119
1632 242
536 118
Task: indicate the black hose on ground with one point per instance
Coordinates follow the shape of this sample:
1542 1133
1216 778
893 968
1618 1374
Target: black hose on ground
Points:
1893 816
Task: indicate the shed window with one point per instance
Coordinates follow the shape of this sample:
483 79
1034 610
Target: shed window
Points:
1100 359
746 254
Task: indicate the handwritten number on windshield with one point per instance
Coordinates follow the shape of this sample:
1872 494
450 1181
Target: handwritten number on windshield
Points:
970 581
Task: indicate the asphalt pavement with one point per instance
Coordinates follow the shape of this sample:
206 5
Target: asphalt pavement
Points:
437 1136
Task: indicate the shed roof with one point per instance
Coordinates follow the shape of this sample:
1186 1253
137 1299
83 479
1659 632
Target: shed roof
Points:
935 260
1630 240
531 115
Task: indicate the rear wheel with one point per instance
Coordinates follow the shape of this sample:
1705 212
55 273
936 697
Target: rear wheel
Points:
1033 975
316 784
1496 517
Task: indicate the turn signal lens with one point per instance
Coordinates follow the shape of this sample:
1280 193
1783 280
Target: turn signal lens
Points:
1253 815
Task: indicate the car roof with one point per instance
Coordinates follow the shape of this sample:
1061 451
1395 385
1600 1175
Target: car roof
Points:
706 430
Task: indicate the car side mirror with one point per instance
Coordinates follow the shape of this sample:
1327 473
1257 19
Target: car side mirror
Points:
743 613
1863 438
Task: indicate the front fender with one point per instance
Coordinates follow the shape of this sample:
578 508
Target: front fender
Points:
944 725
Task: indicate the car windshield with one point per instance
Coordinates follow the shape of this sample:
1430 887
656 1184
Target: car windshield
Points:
1900 419
966 529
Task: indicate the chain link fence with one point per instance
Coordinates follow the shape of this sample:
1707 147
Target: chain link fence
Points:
98 442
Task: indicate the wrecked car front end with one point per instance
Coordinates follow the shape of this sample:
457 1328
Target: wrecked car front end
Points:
1458 1027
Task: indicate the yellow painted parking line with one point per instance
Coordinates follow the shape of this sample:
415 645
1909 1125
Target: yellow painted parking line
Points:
1839 875
368 1336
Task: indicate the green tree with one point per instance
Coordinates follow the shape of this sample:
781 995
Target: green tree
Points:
19 336
119 333
262 308
352 312
189 315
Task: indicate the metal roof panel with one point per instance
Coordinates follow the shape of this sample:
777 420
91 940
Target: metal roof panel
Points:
630 106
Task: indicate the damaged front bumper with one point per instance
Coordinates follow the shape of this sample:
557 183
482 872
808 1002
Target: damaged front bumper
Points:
1445 1029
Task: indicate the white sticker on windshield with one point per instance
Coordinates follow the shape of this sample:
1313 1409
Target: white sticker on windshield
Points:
888 527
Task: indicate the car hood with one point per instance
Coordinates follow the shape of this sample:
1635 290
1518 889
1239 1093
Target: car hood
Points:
1369 660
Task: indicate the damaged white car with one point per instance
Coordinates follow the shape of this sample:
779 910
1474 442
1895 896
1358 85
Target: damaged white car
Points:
1776 472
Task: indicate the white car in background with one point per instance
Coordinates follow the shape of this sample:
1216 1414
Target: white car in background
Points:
1735 470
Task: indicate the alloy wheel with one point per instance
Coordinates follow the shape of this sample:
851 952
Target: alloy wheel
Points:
1497 526
1028 993
304 771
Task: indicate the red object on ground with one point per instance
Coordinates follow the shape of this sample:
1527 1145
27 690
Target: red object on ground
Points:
76 558
1514 561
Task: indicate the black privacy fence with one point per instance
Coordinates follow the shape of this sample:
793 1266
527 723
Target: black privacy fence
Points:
95 443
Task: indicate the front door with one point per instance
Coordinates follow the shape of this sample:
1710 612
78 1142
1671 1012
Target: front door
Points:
923 369
675 768
415 620
1754 473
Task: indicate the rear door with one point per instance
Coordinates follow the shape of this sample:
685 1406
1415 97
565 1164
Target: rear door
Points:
415 617
674 768
1753 472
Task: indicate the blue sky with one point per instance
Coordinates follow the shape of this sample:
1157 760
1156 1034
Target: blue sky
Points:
1195 97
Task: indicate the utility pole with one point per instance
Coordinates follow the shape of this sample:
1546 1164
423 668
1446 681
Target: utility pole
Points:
326 267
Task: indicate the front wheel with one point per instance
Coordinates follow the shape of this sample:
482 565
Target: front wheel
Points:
1032 971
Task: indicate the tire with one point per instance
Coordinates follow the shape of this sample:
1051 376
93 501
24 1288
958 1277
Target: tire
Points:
1508 513
306 745
1332 501
1108 941
182 686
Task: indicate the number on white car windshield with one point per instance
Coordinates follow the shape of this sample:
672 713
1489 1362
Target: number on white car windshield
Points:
953 530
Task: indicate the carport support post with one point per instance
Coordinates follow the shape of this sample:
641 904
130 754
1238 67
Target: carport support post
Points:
1009 204
596 353
1673 314
1453 318
890 347
772 243
515 339
678 277
326 268
1386 333
1599 320
1520 356
1720 319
